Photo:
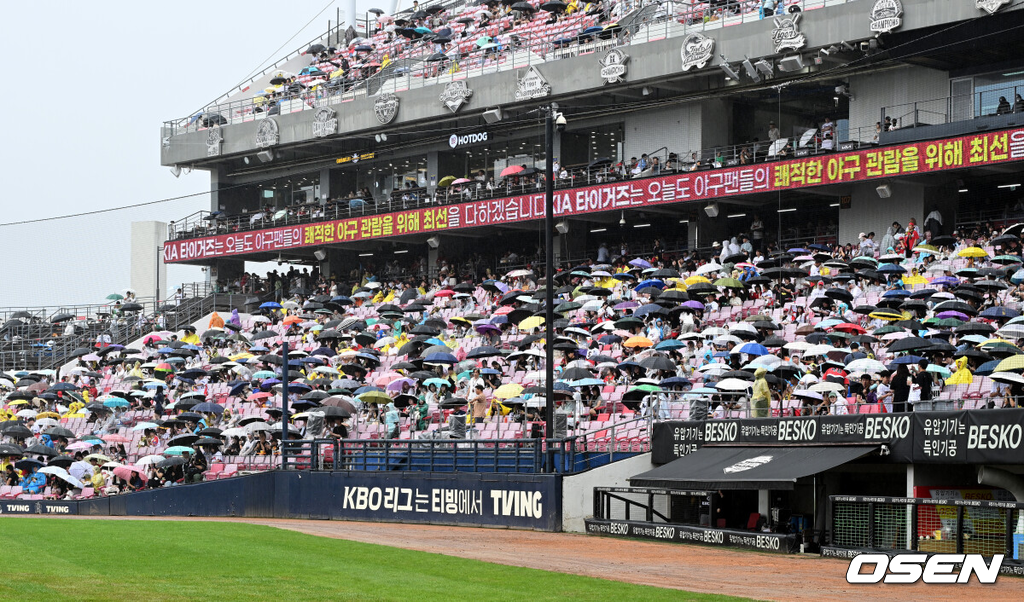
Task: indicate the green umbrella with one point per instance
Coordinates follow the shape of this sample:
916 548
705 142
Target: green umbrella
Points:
177 450
375 397
569 306
729 283
943 322
114 297
446 181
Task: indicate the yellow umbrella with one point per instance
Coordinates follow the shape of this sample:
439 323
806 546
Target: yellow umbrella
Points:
337 73
972 252
925 249
531 323
18 402
462 319
695 280
994 340
53 415
1014 362
915 279
680 284
638 342
888 316
508 391
241 356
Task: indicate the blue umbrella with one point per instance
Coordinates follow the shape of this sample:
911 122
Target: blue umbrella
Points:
271 305
906 359
999 312
235 390
754 349
155 385
896 293
1017 277
587 382
640 263
670 345
987 368
441 358
165 350
437 382
209 407
891 268
116 402
609 339
259 348
562 387
676 381
946 281
646 283
643 310
366 389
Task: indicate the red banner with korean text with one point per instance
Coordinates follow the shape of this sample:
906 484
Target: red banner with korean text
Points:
816 170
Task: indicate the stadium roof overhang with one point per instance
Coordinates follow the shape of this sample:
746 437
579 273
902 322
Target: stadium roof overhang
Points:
749 467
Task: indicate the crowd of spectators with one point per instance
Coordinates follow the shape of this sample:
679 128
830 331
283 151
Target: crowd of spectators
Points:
919 321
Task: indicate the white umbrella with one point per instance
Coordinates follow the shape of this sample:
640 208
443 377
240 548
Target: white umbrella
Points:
45 423
807 394
260 319
818 349
1008 378
26 413
866 365
714 331
254 427
726 339
233 432
708 268
826 386
798 346
713 369
593 305
152 459
744 326
768 362
733 384
62 474
519 273
80 470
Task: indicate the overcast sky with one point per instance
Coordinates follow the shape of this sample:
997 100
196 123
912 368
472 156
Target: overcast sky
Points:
89 85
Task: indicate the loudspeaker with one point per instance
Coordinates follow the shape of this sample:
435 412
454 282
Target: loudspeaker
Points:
265 156
493 115
433 242
320 255
884 191
790 64
712 210
562 227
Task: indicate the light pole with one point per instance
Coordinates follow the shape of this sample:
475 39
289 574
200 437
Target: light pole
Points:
552 118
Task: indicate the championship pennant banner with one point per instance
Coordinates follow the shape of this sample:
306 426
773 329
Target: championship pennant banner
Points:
818 170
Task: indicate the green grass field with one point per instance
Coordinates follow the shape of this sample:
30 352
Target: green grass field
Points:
54 559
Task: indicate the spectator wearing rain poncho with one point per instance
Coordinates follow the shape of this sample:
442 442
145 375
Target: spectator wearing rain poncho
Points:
33 482
391 418
761 400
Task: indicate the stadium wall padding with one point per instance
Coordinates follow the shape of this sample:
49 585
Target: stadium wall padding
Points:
521 501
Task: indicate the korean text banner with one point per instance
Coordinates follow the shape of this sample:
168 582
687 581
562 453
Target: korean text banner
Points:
818 170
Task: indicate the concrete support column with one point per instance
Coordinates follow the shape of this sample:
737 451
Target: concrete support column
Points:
432 172
763 502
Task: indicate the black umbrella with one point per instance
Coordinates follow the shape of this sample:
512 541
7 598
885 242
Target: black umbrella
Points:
315 49
11 450
41 450
131 307
64 462
18 431
171 461
910 344
61 318
28 464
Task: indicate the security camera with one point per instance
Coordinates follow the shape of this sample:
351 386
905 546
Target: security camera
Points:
560 122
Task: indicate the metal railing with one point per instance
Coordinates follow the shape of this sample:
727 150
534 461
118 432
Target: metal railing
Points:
618 503
954 108
946 526
669 20
434 455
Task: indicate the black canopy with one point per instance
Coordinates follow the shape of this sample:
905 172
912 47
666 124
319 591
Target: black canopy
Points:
747 467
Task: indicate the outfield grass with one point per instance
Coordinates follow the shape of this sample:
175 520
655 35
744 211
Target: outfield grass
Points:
55 559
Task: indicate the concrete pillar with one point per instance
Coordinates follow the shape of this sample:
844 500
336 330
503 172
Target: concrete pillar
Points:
148 272
764 503
325 185
869 212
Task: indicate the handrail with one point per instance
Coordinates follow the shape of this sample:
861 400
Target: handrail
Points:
683 20
954 108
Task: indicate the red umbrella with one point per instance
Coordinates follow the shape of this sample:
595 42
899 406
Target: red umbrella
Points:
164 367
444 293
511 170
849 328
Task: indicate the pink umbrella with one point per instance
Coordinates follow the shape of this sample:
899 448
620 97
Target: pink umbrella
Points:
462 181
79 445
385 379
91 357
125 472
444 293
396 385
511 170
115 438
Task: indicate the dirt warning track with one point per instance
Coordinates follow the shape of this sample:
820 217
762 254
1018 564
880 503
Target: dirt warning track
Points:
688 567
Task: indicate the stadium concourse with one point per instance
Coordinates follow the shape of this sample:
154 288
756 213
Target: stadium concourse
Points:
800 332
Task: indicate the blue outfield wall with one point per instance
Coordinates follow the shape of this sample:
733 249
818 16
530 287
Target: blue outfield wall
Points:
521 501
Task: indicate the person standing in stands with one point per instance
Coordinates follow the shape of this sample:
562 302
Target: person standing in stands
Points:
478 405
